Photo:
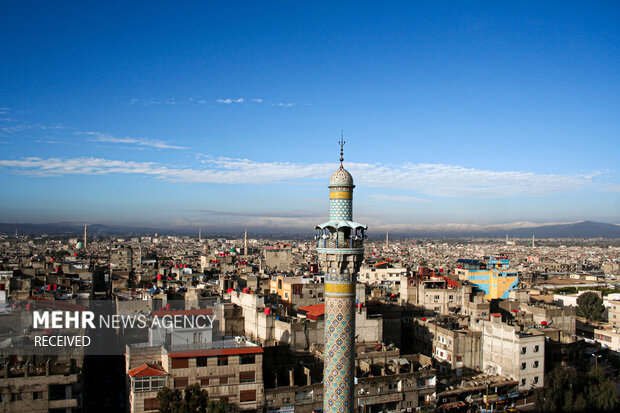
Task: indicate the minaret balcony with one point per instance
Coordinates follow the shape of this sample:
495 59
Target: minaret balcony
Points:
340 244
340 235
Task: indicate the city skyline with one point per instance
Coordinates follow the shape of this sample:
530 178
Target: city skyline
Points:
465 114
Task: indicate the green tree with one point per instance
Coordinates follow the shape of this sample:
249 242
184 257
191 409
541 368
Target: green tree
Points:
565 390
170 401
196 398
600 390
559 392
590 306
219 406
192 400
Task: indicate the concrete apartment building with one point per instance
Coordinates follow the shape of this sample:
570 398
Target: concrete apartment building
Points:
125 258
608 337
296 292
452 344
386 380
381 272
493 276
279 257
512 351
442 295
266 326
229 369
53 383
613 313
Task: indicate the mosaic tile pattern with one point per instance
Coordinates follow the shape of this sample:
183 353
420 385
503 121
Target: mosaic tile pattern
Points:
340 209
340 268
339 357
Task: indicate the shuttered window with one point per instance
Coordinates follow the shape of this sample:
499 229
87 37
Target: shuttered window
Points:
180 382
180 363
247 376
151 404
247 396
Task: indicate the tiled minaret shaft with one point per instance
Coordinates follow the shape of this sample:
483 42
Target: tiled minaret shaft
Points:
341 251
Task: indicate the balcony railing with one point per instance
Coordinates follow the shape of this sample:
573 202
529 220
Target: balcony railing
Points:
347 243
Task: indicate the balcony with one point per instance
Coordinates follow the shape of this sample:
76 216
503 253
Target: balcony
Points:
332 243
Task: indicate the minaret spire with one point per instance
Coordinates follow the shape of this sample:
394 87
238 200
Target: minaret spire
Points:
342 142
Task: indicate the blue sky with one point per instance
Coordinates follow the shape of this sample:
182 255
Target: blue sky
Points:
228 115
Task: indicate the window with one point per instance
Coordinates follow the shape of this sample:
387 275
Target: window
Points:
285 295
536 348
151 404
279 284
16 396
536 364
535 379
222 360
201 361
223 380
247 377
523 350
204 382
180 382
523 366
247 359
37 395
180 363
148 383
523 382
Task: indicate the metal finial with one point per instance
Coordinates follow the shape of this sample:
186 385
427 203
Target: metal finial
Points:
342 142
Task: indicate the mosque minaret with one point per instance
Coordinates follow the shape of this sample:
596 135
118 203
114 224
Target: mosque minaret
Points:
340 246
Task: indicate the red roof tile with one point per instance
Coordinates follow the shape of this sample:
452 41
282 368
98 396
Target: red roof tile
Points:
315 310
147 370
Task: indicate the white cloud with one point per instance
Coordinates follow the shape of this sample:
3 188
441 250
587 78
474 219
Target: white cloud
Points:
430 179
139 142
611 188
257 100
284 105
228 101
398 198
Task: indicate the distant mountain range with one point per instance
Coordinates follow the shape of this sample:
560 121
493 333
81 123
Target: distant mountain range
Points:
583 229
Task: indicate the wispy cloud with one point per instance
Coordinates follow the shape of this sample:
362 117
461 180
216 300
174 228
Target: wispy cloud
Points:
228 101
13 126
139 142
429 179
153 101
4 110
398 198
284 105
257 100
